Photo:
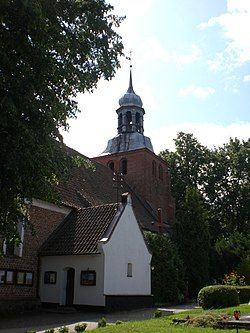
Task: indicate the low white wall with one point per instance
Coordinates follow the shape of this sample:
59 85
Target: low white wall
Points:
84 295
127 245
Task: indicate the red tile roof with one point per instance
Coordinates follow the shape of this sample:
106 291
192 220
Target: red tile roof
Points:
81 230
88 187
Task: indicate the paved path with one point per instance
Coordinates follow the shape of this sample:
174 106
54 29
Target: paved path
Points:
43 320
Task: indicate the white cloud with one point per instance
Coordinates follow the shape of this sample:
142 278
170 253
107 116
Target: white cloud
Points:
235 24
246 78
209 134
199 92
154 50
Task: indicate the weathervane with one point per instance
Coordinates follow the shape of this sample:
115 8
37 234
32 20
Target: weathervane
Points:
129 58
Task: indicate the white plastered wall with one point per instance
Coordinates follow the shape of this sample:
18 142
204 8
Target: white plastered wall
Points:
83 295
126 245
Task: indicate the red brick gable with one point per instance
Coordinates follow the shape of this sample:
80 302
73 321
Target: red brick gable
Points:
148 175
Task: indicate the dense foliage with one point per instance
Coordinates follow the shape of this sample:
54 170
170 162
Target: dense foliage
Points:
244 294
192 238
167 269
214 297
219 179
49 52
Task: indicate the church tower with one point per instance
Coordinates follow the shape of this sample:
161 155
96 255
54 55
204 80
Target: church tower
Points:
130 124
131 154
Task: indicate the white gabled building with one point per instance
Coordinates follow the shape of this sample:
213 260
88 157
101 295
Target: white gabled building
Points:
97 257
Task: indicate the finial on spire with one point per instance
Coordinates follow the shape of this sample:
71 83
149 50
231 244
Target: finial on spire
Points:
129 58
130 88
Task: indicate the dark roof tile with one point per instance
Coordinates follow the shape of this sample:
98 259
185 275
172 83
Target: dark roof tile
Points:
81 230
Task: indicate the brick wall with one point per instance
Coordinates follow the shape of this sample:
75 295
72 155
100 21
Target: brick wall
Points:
44 222
153 186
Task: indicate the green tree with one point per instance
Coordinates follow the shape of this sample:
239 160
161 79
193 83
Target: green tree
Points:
192 238
227 188
232 250
221 177
168 270
187 164
49 52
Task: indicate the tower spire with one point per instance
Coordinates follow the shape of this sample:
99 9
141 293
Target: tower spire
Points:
130 87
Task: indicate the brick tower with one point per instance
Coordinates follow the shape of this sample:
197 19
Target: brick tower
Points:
131 154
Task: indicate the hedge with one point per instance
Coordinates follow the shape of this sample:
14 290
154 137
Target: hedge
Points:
244 294
219 296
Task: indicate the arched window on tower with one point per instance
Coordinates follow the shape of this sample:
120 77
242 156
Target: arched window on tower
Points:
128 120
137 121
154 168
160 172
111 165
124 166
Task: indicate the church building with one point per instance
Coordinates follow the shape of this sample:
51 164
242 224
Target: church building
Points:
131 154
90 250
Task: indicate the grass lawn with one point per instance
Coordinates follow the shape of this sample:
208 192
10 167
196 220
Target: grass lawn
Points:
164 324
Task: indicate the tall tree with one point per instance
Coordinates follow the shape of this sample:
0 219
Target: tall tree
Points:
186 165
168 271
50 51
227 187
192 238
221 177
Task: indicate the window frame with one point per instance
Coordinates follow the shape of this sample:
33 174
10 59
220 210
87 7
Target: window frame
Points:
15 273
47 277
24 282
86 282
124 166
129 269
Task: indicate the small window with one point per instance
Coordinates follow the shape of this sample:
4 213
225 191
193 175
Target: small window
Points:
129 270
50 277
2 277
20 278
124 166
24 278
154 168
9 277
137 118
9 248
88 278
128 118
160 172
111 165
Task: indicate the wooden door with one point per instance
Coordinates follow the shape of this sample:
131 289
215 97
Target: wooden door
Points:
70 287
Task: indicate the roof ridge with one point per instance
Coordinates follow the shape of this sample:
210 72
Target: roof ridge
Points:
97 206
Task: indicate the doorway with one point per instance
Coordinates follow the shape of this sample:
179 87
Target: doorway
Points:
70 287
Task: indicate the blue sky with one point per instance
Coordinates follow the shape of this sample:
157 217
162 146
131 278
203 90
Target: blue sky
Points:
191 68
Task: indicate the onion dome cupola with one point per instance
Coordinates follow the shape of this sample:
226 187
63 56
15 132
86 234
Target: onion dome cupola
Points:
130 112
130 124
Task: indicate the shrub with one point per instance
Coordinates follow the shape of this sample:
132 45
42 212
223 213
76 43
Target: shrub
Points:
218 297
205 320
234 279
31 331
158 313
102 322
80 327
51 330
63 329
244 294
119 322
